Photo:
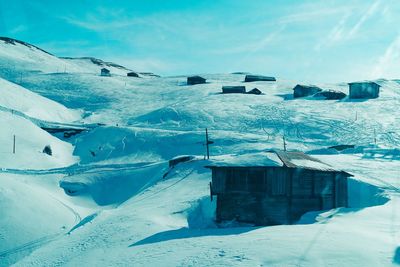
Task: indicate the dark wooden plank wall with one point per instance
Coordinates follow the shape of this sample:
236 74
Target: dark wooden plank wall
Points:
268 196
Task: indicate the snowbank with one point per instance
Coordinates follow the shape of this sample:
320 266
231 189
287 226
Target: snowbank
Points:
15 97
30 141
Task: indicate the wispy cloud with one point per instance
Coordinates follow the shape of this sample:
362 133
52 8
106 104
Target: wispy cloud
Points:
388 63
18 29
337 33
372 9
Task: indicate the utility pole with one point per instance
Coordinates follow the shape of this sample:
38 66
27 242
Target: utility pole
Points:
208 142
284 143
14 144
375 137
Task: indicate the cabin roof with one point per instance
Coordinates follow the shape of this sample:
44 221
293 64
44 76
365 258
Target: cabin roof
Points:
365 82
262 159
255 76
292 159
303 161
196 77
303 86
233 86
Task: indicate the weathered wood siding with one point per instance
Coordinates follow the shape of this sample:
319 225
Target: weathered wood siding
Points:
275 195
363 90
302 91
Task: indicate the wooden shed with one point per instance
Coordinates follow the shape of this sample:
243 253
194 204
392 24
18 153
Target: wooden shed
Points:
192 80
132 74
105 72
275 187
331 95
256 78
233 89
362 90
305 90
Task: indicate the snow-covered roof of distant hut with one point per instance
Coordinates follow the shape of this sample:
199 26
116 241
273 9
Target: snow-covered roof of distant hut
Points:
365 82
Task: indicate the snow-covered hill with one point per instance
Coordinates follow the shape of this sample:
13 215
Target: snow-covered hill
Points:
16 98
17 56
118 202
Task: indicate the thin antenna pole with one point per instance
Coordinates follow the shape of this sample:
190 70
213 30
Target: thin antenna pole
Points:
14 144
284 143
207 143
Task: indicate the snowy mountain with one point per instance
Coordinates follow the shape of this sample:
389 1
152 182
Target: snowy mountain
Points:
107 195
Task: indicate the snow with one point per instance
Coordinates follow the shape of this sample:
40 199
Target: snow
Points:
311 164
253 160
107 197
30 141
16 98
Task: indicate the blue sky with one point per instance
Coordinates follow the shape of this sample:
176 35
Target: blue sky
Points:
327 40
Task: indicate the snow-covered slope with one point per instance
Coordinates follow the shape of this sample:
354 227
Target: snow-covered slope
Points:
31 214
16 98
16 57
135 210
30 141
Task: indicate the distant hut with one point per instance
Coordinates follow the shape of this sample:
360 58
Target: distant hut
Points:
331 95
179 159
359 90
254 91
132 74
233 89
256 78
305 90
192 80
105 72
277 187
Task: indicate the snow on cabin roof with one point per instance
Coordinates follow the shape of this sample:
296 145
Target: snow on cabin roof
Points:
273 159
303 161
196 77
263 159
365 82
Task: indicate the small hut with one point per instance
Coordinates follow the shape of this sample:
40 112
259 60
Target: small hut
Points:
256 78
132 74
364 90
233 89
331 95
275 187
254 91
192 80
305 90
105 72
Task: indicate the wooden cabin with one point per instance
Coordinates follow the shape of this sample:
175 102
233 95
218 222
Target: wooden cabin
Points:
257 78
331 95
132 74
275 187
305 90
105 72
254 91
363 90
192 80
233 89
